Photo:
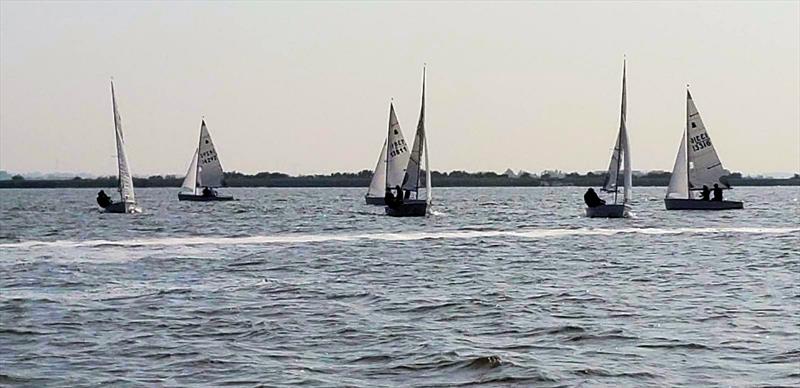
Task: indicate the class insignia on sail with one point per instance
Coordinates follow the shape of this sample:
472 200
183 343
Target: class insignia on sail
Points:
697 169
620 161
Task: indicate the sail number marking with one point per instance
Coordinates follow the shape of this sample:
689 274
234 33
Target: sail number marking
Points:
700 142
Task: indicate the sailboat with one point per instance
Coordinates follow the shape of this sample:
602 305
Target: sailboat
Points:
620 160
408 202
127 203
397 159
696 165
205 172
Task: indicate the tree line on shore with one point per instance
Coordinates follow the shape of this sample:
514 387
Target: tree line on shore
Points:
362 179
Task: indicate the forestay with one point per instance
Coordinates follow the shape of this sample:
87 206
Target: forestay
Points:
124 172
704 165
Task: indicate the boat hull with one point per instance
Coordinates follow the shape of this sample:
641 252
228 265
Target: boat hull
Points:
122 207
409 208
698 204
608 211
201 198
375 200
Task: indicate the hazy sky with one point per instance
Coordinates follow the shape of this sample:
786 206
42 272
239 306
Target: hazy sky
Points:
304 87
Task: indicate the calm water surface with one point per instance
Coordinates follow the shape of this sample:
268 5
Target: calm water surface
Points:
500 287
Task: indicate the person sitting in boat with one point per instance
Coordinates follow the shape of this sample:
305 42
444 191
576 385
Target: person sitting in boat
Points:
717 193
388 198
705 193
103 199
591 199
399 196
207 192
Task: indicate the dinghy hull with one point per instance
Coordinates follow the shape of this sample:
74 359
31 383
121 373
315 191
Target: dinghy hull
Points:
607 211
200 198
409 208
697 204
375 200
122 207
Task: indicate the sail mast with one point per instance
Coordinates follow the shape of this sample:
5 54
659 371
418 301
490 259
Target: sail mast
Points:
388 136
619 135
421 126
197 167
116 125
686 140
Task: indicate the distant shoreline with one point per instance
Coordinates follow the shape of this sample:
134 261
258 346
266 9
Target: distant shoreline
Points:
362 179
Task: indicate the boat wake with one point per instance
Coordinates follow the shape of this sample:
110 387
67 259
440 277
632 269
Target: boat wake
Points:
431 235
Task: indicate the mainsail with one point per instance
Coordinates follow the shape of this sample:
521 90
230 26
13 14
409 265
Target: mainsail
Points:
705 168
190 182
621 155
209 169
124 171
396 157
414 168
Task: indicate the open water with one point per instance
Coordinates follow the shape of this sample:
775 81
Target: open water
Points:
500 287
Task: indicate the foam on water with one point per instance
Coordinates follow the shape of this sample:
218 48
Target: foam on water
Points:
408 236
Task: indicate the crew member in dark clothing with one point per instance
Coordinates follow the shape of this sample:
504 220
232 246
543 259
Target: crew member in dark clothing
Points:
705 193
388 198
591 198
398 195
103 199
717 193
207 192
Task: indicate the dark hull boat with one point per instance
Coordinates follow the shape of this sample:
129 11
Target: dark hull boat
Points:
375 200
697 204
203 198
409 208
121 207
608 211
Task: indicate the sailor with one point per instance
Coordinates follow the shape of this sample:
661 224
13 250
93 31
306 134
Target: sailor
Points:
388 198
591 198
717 193
207 192
705 193
103 199
399 195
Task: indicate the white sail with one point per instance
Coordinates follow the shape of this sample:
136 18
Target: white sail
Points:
124 171
376 185
414 168
428 195
705 167
612 176
190 181
620 157
679 181
209 169
396 152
